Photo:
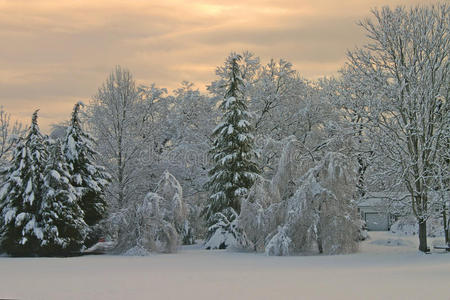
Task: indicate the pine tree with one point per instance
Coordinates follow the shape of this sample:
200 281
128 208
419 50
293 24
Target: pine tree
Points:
63 226
20 196
88 178
234 170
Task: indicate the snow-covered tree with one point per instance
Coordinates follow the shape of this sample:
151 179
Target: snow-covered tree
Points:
142 228
155 224
187 127
61 217
154 136
190 122
234 170
9 135
58 130
87 177
321 215
279 244
175 206
264 209
283 104
305 206
112 116
350 99
406 69
249 73
122 119
21 195
225 231
278 97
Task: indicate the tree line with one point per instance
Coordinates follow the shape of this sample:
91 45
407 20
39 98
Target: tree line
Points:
387 112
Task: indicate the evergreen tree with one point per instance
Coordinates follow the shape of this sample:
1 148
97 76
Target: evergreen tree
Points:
20 196
63 226
88 178
234 170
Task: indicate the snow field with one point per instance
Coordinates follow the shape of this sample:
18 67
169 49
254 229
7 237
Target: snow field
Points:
376 272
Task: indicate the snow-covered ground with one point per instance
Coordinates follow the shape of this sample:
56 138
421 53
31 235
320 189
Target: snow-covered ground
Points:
381 270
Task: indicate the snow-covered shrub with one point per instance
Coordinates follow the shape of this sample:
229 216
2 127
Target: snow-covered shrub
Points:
264 209
258 221
175 209
137 251
314 212
290 167
225 232
171 191
405 226
363 233
186 233
408 226
321 215
143 225
156 224
279 244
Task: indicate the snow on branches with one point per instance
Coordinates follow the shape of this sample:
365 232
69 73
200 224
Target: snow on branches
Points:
405 72
235 169
157 223
40 209
21 230
316 215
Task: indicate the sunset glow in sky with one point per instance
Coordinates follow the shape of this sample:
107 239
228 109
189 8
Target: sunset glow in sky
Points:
54 53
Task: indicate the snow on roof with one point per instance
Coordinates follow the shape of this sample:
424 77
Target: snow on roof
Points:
380 199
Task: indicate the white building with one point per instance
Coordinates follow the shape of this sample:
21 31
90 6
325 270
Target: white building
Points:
377 210
374 212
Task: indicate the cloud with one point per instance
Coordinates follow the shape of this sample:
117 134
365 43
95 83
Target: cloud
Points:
54 53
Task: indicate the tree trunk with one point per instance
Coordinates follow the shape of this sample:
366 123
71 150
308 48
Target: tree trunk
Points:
362 165
320 245
423 236
446 223
360 185
120 169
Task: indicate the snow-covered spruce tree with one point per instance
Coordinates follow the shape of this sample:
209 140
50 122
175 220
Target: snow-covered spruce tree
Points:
64 229
234 170
20 196
89 179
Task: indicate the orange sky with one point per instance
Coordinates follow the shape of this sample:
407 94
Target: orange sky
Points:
54 53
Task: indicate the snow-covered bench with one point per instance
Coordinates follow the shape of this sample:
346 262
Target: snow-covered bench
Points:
443 247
